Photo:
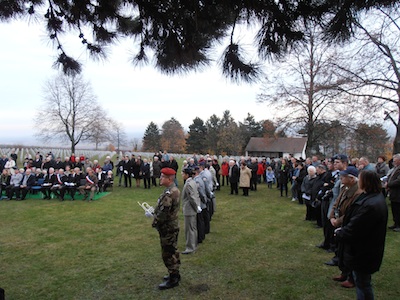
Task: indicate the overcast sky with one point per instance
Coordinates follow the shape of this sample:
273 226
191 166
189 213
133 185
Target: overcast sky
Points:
131 95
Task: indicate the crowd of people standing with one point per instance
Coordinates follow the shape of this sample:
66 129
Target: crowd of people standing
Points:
345 197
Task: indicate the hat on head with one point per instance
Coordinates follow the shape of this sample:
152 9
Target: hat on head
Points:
342 157
202 163
168 171
353 171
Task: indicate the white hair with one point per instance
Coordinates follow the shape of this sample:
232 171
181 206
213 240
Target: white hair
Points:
311 168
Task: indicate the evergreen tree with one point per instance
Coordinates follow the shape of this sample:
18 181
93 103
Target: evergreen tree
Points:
213 129
152 138
197 140
250 128
370 140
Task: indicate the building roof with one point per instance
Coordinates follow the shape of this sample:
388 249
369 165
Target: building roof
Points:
287 145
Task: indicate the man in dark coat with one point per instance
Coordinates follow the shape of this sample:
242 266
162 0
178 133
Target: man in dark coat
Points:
26 184
254 168
127 170
393 187
233 177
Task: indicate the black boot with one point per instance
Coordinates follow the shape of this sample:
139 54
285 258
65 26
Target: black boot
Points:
171 281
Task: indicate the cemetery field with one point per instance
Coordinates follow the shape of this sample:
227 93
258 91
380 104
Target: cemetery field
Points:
259 248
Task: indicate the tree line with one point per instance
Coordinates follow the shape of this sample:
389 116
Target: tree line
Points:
70 112
223 135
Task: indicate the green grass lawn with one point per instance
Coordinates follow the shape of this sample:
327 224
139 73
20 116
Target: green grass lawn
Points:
259 248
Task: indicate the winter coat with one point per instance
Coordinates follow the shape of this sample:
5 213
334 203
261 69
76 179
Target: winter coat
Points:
283 174
307 185
346 197
393 185
245 175
224 169
382 169
234 174
362 236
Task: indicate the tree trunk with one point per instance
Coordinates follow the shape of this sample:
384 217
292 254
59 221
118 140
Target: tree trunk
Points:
396 142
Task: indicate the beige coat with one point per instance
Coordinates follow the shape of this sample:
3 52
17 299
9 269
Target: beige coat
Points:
245 175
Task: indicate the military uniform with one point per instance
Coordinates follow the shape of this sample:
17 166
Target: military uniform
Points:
167 223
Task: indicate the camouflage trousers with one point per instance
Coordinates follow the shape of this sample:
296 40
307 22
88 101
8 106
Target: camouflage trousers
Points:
169 251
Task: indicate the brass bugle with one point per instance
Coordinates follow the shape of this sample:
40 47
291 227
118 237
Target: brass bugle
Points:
146 207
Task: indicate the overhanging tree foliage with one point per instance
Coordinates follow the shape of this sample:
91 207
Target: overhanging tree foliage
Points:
180 34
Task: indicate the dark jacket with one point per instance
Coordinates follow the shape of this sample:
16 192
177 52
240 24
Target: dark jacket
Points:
145 170
362 236
283 174
31 180
318 186
173 164
307 185
299 179
254 168
394 185
127 167
234 174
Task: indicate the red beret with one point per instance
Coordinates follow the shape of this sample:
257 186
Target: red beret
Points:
168 171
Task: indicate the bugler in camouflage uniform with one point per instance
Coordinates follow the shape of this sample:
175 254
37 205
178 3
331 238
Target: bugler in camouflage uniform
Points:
167 223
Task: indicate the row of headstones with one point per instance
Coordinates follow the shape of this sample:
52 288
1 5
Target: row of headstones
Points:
23 153
98 154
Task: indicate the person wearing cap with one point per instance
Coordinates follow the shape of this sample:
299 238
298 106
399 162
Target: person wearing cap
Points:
348 193
190 207
167 223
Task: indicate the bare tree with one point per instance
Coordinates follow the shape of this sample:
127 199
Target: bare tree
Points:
304 92
101 129
136 145
117 134
372 68
69 111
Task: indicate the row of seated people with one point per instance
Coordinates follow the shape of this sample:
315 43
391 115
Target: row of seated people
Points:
56 182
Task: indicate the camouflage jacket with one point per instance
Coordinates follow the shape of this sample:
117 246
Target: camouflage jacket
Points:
167 209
